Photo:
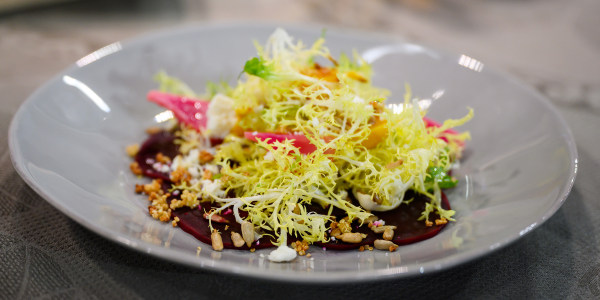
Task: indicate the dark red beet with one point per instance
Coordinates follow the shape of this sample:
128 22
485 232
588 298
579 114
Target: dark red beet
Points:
193 222
161 142
408 231
405 218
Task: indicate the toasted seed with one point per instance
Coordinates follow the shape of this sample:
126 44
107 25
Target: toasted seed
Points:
153 130
205 156
237 239
381 229
215 218
441 221
248 232
385 245
174 222
163 159
216 240
336 232
388 234
377 199
132 149
135 168
206 174
351 237
344 226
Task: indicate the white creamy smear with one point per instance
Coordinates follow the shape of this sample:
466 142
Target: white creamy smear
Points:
282 253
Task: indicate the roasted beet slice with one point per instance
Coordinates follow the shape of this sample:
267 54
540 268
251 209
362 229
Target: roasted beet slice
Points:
431 123
405 218
409 229
193 222
160 142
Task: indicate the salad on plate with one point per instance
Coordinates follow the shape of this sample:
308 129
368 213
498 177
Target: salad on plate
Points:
302 151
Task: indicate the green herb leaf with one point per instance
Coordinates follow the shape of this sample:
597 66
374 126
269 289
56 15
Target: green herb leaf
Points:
257 67
441 177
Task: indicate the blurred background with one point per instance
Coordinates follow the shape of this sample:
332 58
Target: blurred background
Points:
552 45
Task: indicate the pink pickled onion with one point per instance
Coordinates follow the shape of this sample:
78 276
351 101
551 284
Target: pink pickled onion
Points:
189 111
299 140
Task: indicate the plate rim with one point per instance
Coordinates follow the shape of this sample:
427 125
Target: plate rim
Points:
225 267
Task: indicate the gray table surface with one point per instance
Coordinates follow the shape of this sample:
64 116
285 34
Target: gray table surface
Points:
552 45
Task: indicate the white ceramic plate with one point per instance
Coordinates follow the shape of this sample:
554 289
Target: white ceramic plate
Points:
68 139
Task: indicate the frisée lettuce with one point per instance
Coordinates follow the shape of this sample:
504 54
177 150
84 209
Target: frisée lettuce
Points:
300 129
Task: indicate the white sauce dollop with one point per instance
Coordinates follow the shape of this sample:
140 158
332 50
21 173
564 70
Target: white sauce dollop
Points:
282 253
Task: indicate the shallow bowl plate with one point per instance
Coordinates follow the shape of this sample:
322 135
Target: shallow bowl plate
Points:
67 141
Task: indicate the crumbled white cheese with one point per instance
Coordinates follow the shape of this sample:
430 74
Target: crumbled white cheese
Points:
164 168
187 161
282 253
194 171
212 168
191 158
212 187
176 163
221 116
